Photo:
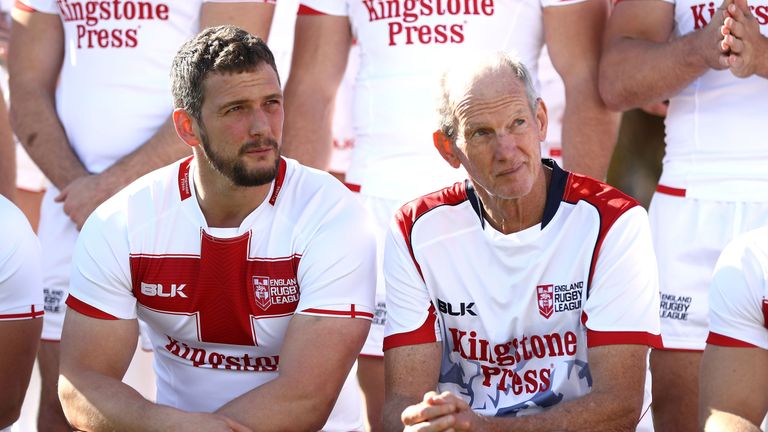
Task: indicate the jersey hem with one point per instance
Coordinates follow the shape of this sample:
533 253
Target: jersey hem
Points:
88 310
727 341
596 338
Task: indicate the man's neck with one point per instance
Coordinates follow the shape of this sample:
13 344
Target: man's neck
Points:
513 215
224 204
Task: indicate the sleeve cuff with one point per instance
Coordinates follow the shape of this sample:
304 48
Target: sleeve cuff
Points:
88 310
596 338
726 341
424 334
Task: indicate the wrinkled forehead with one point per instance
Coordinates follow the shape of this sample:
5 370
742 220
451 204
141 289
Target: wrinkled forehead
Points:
487 89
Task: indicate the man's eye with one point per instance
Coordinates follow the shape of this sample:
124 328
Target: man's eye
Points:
233 109
519 122
480 133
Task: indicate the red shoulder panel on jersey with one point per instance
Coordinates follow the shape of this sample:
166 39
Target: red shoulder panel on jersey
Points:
88 310
185 187
423 334
408 214
23 7
726 341
306 10
279 179
609 202
600 338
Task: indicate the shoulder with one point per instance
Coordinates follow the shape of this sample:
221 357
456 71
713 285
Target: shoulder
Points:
146 198
311 197
608 202
14 229
412 211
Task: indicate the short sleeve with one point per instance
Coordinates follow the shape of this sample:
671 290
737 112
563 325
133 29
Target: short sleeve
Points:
21 290
45 6
323 7
550 3
737 295
100 284
337 269
622 306
411 317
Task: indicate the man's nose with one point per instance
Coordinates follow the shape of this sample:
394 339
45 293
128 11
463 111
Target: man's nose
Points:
259 123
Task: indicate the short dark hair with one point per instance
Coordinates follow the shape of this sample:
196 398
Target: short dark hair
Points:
222 49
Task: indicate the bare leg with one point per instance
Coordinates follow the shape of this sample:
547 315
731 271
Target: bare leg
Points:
50 418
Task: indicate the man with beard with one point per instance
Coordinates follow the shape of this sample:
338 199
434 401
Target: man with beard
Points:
226 257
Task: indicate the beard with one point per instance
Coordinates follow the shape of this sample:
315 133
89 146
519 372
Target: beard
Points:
234 169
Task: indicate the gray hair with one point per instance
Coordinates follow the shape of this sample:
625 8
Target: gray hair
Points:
467 72
221 49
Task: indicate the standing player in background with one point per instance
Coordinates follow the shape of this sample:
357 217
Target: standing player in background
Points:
106 122
402 46
714 183
21 309
734 368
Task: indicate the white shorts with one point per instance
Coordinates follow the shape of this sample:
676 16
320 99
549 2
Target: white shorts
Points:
688 236
58 235
382 211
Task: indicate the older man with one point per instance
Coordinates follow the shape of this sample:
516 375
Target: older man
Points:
231 259
524 290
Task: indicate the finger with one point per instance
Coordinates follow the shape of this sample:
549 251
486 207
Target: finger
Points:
735 62
735 44
736 11
724 47
428 396
738 29
724 61
422 412
725 29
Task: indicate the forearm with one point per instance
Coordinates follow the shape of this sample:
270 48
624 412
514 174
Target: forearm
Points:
162 149
393 409
635 72
7 156
36 124
589 130
274 406
307 135
95 402
592 412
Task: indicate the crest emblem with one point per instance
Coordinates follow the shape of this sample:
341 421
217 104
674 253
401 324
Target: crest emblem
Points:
261 292
546 301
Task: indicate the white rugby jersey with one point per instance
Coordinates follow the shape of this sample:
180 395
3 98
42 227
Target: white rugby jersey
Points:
21 284
114 87
404 48
738 301
702 157
516 313
218 300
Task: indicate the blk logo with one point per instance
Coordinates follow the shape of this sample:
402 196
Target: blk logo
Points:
461 310
158 290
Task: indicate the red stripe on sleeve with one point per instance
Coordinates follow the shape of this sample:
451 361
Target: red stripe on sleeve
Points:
423 334
88 310
23 7
306 10
26 315
723 340
595 339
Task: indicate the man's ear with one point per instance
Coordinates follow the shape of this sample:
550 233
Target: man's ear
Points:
445 147
542 119
185 127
